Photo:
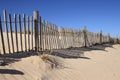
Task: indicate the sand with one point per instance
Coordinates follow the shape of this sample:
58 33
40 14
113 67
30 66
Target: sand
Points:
101 63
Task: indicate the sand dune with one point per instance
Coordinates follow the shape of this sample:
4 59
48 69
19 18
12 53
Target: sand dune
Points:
97 63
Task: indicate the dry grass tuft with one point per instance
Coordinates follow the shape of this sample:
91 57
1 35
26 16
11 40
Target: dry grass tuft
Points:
53 61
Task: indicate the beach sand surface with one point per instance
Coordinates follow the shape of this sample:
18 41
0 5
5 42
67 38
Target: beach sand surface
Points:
102 64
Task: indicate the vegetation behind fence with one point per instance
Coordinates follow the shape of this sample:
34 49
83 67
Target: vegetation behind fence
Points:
24 33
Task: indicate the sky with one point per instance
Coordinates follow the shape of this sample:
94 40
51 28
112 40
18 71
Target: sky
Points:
96 15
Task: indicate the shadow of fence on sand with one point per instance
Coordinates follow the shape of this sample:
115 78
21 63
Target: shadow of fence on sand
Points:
69 54
79 52
15 57
73 52
7 61
11 71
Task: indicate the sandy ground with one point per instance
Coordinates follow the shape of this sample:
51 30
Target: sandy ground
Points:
97 63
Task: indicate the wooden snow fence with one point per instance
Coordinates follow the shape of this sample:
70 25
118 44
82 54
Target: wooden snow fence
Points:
22 33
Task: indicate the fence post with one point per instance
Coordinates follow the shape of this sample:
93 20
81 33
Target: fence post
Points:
36 16
84 35
108 37
101 37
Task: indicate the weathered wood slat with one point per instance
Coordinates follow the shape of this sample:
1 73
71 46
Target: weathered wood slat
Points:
36 17
31 24
16 36
41 35
2 39
48 30
19 21
45 36
101 37
28 32
57 36
55 33
6 27
52 36
11 32
24 24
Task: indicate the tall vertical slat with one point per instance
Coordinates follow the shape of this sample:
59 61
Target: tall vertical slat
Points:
24 20
36 17
101 37
31 24
72 44
47 38
68 37
55 37
50 39
97 37
39 35
41 46
15 25
47 31
43 36
19 21
61 38
108 36
6 26
87 39
65 37
2 39
11 32
44 24
44 28
66 30
48 35
84 34
52 36
65 41
28 33
56 33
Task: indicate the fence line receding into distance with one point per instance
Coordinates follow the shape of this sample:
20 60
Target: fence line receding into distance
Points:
23 33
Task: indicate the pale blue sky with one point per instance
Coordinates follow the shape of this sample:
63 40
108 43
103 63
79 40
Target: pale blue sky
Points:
95 14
